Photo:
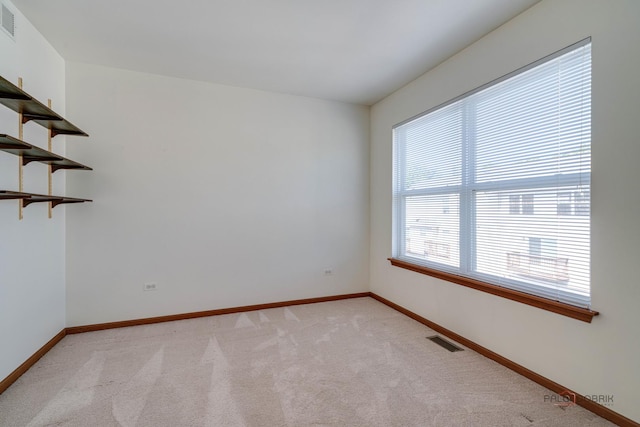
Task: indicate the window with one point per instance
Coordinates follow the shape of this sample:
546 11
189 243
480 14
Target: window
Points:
524 208
574 203
564 203
514 204
527 204
495 185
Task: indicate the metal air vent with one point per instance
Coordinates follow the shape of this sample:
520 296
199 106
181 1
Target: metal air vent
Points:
8 21
444 343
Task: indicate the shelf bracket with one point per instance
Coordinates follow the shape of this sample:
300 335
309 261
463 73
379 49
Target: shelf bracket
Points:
30 116
26 159
40 199
55 203
21 159
50 135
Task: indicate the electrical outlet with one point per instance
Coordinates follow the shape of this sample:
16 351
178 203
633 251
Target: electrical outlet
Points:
151 286
328 271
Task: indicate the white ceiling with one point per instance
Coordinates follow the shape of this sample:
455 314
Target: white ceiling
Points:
356 51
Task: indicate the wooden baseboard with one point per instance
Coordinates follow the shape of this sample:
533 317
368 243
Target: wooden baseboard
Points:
588 404
170 318
5 383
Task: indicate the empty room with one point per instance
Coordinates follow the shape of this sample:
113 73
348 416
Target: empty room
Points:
328 213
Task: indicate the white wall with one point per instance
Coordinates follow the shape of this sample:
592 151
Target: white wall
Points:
597 358
223 196
32 295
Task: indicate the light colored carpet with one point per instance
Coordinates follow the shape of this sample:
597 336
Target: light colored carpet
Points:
344 363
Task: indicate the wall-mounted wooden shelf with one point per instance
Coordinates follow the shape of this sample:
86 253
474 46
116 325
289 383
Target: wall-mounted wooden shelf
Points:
55 200
13 195
11 96
39 198
28 198
67 200
30 109
31 153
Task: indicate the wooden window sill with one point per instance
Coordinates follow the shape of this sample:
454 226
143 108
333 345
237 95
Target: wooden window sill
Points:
582 314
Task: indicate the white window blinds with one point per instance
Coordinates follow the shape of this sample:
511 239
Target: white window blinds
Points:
495 185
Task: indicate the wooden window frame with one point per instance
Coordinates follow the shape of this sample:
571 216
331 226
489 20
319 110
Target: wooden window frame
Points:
568 310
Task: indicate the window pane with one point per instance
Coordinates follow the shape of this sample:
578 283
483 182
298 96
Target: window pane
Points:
432 228
536 124
433 150
545 249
